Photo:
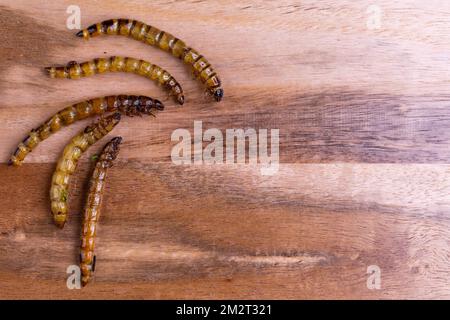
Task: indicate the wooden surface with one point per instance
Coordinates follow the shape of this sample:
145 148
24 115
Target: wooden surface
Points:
364 178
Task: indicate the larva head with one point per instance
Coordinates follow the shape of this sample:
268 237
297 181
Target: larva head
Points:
94 30
14 161
83 34
146 105
115 143
175 90
59 197
60 219
180 98
217 94
85 279
59 72
158 105
87 270
51 71
111 150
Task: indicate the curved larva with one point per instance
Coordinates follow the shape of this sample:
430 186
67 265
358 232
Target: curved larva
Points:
67 164
125 104
140 31
75 70
93 208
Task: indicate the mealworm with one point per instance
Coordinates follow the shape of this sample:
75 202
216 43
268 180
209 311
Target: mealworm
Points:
75 70
140 31
128 105
67 164
92 209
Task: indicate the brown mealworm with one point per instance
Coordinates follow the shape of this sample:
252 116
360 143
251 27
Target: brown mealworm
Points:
67 164
93 208
125 104
153 36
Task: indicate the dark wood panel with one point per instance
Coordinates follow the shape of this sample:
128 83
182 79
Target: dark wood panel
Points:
231 232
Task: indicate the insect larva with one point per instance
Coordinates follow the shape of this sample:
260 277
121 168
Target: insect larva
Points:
128 105
75 70
67 164
92 208
163 40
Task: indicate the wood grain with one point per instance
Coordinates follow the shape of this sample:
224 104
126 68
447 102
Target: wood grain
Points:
364 169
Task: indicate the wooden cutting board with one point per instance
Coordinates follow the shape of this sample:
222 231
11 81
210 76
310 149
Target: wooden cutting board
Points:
360 95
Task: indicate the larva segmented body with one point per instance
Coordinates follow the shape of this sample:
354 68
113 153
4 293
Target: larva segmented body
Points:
163 40
75 70
126 104
92 208
67 164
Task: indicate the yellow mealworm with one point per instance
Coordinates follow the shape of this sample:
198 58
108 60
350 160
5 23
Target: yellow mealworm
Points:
75 70
126 104
67 164
151 35
93 208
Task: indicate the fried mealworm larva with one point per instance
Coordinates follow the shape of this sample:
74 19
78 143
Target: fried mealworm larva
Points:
126 104
93 208
67 164
75 70
140 31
